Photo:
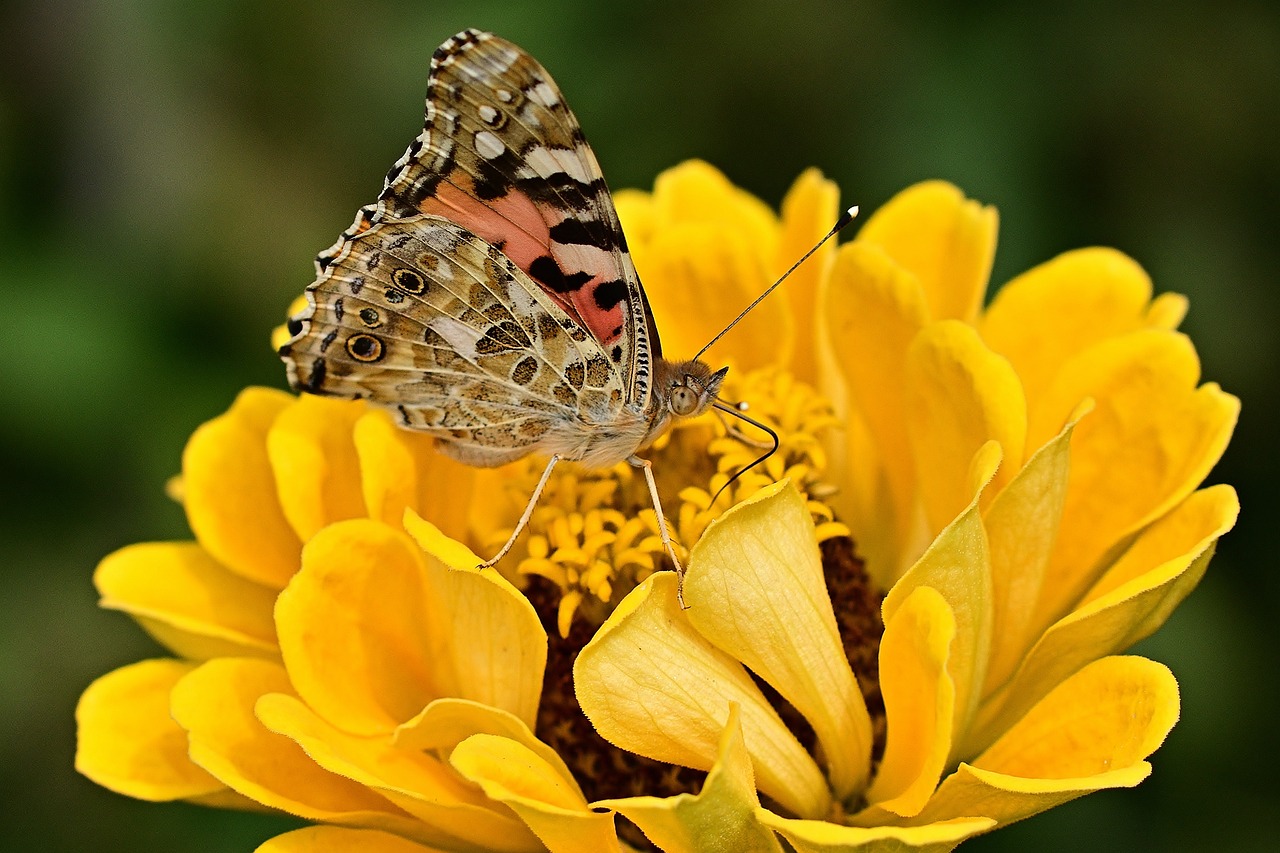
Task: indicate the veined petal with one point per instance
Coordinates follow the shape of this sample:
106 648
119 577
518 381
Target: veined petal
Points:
1022 530
809 210
229 491
551 805
1092 732
495 642
814 836
315 463
1166 564
340 839
215 702
958 566
1152 438
757 592
127 742
188 601
947 241
1050 313
871 309
721 818
652 685
454 813
919 701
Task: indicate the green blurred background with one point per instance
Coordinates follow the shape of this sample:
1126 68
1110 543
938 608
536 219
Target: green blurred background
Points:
169 169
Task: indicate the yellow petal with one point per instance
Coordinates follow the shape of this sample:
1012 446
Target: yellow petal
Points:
340 839
700 275
356 628
127 742
756 590
1166 564
812 836
401 469
1112 714
551 805
960 395
947 241
957 565
1022 530
1090 733
652 685
1051 312
638 215
188 601
809 210
453 812
230 491
315 463
1150 441
919 701
497 648
215 702
871 310
721 818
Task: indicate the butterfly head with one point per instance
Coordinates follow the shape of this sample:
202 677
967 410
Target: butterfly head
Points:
690 387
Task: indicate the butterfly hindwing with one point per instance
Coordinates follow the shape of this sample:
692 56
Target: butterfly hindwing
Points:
422 316
502 155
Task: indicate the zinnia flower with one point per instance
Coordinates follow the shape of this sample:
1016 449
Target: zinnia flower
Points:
905 633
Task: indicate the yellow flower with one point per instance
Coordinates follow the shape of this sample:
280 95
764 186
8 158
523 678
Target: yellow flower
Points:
1020 483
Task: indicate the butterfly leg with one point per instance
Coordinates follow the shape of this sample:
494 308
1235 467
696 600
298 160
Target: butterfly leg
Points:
528 512
647 467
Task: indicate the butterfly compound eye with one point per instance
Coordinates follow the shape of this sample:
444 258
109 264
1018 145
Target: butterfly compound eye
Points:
683 400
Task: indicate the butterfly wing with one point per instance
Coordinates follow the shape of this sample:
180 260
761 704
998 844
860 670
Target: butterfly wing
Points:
423 316
502 155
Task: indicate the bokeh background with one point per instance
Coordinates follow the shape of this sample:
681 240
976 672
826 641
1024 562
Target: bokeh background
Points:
168 170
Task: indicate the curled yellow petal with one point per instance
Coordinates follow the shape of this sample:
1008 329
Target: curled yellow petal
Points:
1166 564
188 601
229 491
315 462
721 818
1051 312
809 210
1092 732
947 242
652 685
215 704
871 310
812 836
340 839
757 591
551 805
960 395
957 565
1150 441
127 742
919 700
453 813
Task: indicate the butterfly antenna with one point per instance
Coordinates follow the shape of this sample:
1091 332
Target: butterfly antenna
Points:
844 220
737 413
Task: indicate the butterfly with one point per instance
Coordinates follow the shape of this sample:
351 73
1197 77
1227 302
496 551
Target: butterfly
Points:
488 298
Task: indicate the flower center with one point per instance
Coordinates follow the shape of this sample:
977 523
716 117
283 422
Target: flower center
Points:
593 537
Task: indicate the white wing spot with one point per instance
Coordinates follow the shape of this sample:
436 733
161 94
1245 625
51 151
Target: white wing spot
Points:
488 114
544 94
504 96
489 146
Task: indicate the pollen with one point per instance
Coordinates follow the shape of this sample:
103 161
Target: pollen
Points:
594 534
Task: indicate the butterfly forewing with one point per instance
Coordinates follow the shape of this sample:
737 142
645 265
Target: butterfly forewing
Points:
502 155
422 316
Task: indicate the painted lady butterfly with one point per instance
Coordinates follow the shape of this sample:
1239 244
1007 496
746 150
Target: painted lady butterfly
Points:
488 297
